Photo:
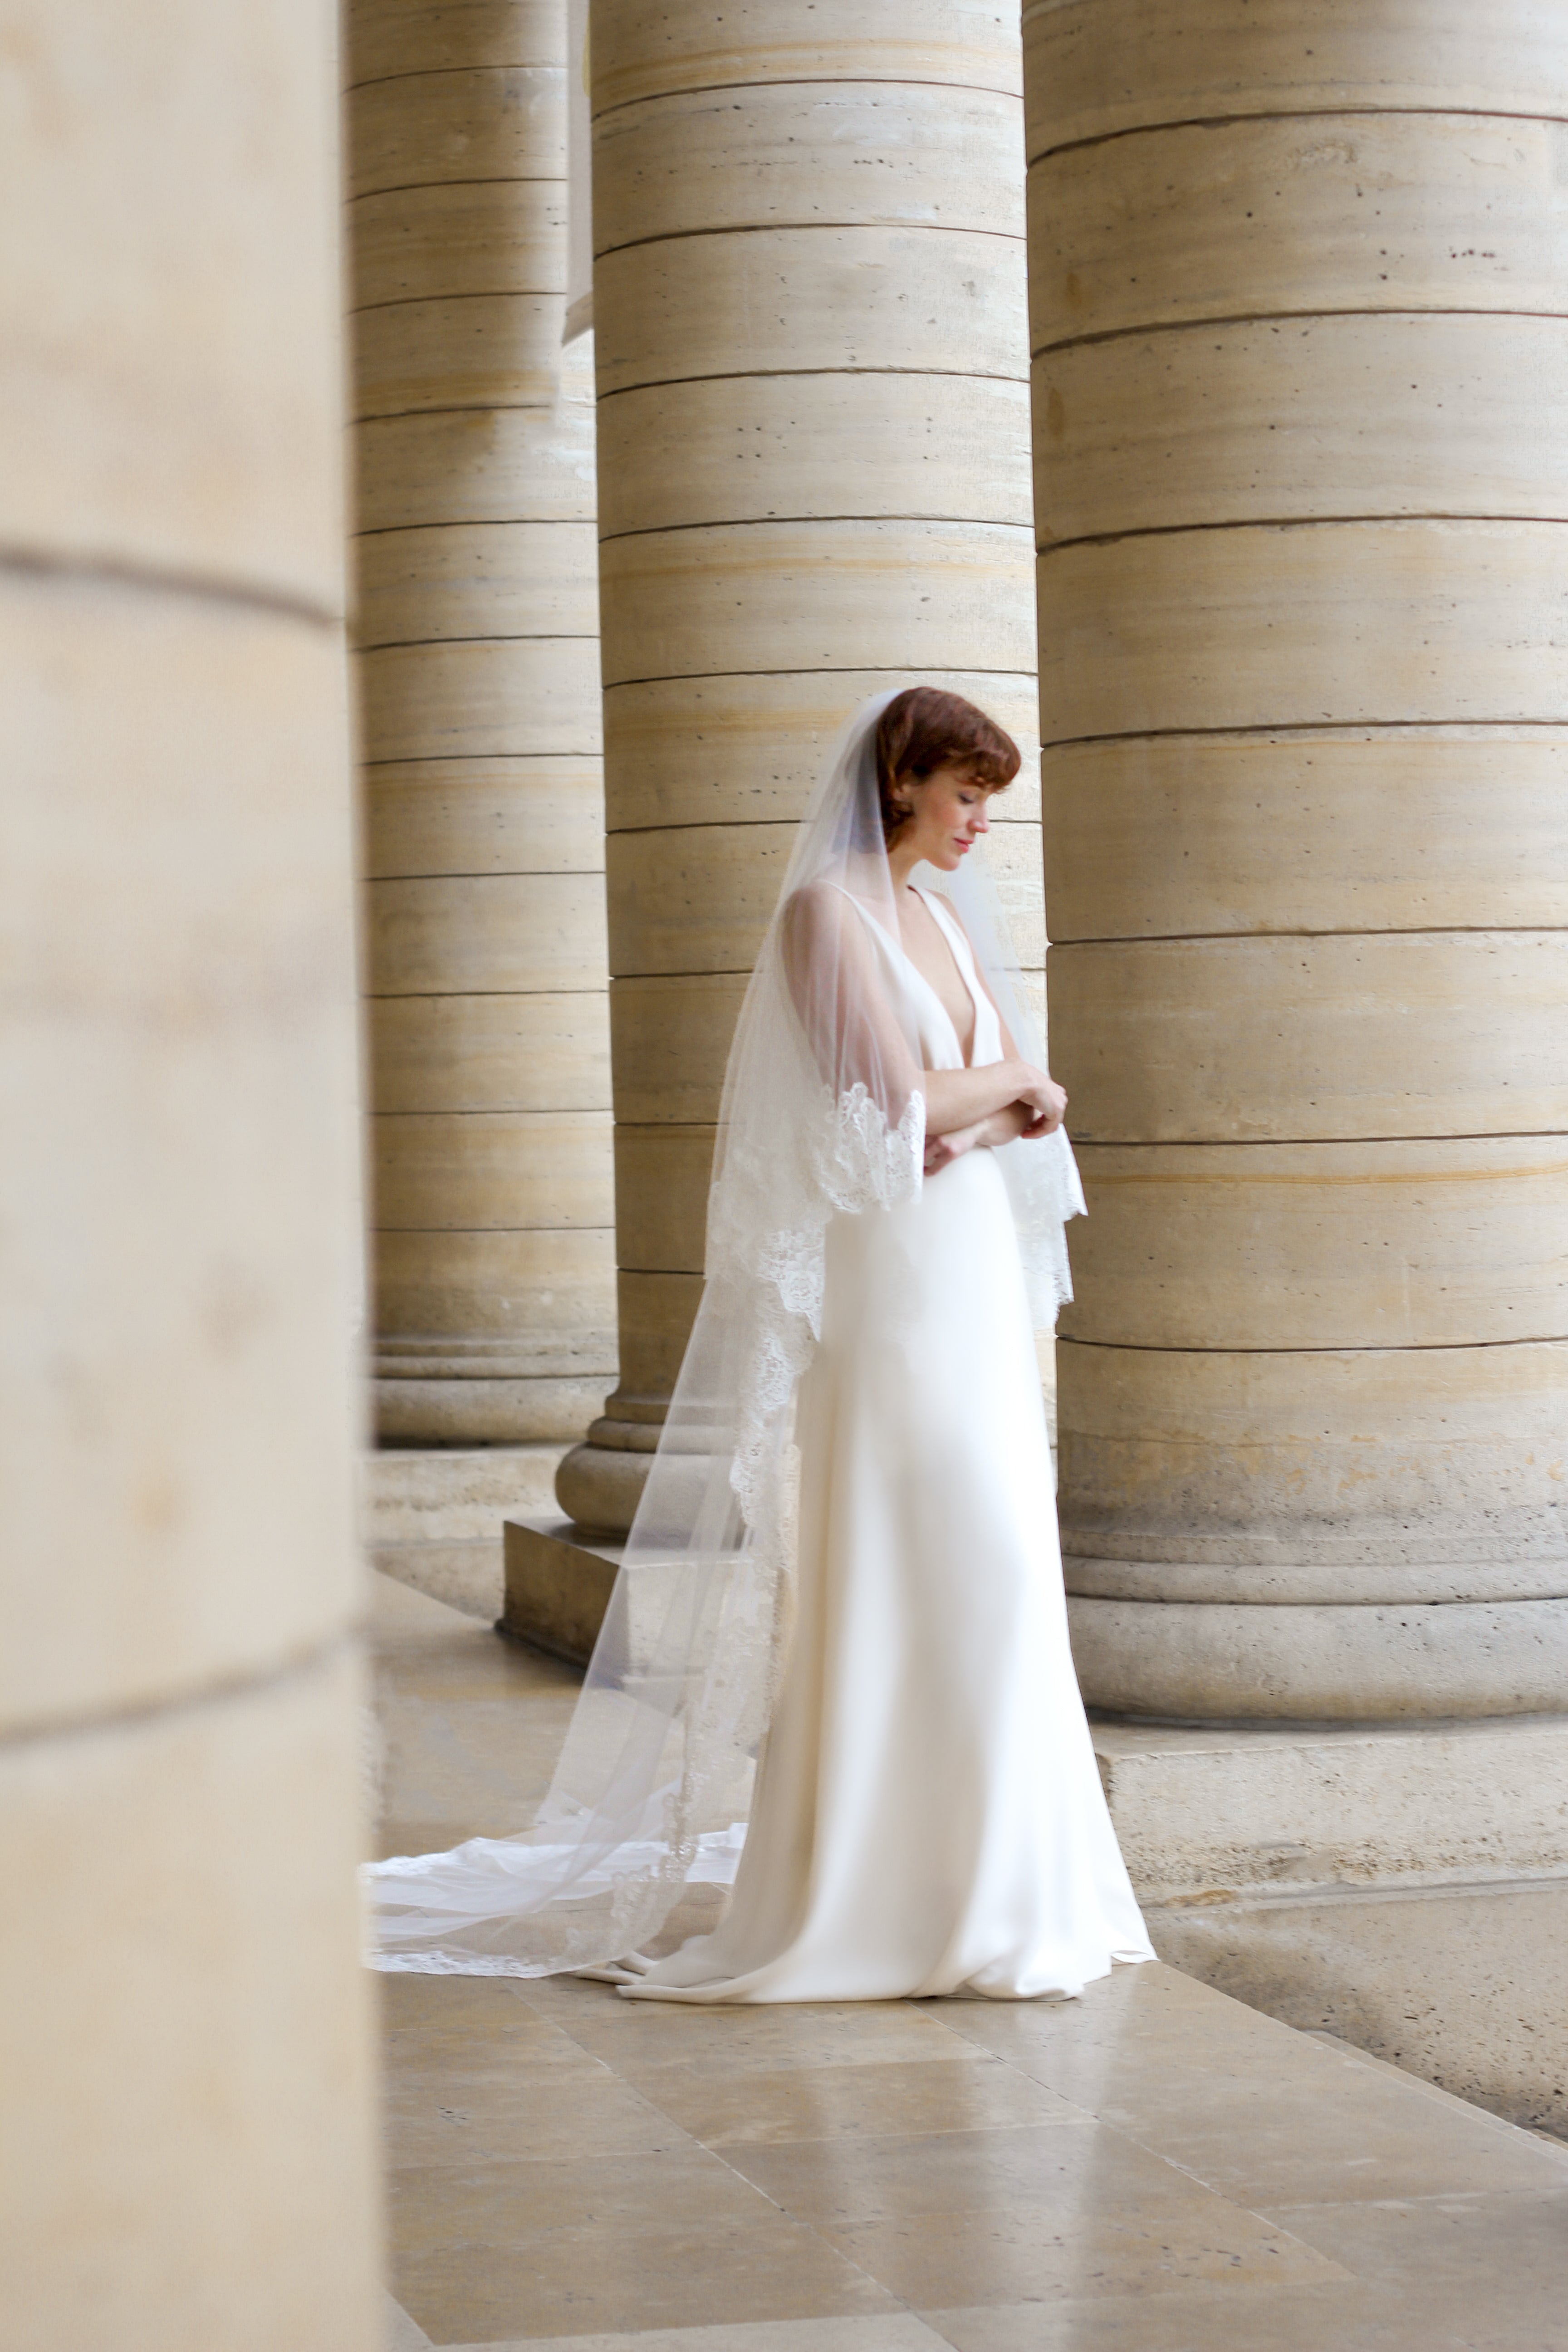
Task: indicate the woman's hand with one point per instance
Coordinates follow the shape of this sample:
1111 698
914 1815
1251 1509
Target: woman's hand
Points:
1046 1101
984 1135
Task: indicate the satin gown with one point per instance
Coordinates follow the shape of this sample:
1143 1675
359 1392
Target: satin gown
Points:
928 1815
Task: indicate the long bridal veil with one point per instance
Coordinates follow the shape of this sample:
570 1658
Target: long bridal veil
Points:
821 1116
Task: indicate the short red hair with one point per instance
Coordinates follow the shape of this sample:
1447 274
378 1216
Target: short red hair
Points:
924 729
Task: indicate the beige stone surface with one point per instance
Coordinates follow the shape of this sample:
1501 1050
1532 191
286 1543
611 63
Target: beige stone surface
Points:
1204 1662
1316 1474
1209 1815
454 934
911 154
1332 623
1297 417
1379 831
532 1407
491 698
186 2051
541 1052
543 1295
491 1170
662 1176
1376 1034
646 50
655 1315
1445 1244
670 1039
180 1262
414 1495
557 1586
1285 214
778 299
694 899
457 351
165 421
500 236
386 37
1462 1983
498 580
1258 56
792 597
483 464
748 749
791 446
520 814
458 123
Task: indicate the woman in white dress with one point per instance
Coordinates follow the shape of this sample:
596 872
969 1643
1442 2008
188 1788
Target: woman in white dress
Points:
847 1555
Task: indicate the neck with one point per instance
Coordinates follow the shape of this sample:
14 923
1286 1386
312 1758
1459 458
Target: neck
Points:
903 856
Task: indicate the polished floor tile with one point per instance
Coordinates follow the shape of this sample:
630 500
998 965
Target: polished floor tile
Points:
1151 2168
752 2107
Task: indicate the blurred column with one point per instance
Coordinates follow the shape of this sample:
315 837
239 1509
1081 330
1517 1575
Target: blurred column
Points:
809 300
1302 386
477 624
184 2017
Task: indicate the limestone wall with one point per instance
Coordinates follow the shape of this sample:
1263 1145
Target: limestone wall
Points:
478 626
188 2151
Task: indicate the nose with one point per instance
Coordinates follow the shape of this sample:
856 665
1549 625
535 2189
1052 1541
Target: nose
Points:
982 822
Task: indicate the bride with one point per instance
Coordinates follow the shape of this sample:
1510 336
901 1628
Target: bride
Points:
838 1643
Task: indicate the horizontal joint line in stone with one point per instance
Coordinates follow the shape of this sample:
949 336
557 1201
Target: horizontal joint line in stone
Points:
1283 114
1084 1139
779 227
607 1226
1278 317
1323 1347
1262 1896
479 759
489 180
807 82
240 1686
1284 522
1303 931
490 638
1356 729
851 669
451 995
500 874
427 73
454 408
508 1110
469 294
800 375
480 522
805 521
158 580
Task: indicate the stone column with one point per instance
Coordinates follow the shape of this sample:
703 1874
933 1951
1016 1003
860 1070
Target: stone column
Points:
184 2042
1301 383
813 470
484 831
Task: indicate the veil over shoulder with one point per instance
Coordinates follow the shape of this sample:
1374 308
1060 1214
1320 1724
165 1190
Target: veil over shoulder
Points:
822 1116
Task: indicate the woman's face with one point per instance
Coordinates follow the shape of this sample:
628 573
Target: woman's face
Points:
947 817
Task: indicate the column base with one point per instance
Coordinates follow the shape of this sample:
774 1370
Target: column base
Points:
1403 1886
431 1515
559 1578
1203 1661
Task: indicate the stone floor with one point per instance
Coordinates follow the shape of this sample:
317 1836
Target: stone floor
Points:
1154 2167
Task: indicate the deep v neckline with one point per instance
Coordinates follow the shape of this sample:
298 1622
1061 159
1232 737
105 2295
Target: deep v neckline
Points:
964 980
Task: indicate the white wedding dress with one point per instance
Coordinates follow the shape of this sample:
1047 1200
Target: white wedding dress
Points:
928 1815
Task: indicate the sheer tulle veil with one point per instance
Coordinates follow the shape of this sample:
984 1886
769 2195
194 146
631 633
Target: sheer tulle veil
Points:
821 1116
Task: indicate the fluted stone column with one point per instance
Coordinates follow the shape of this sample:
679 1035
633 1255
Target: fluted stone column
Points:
1301 376
813 481
478 628
189 2144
